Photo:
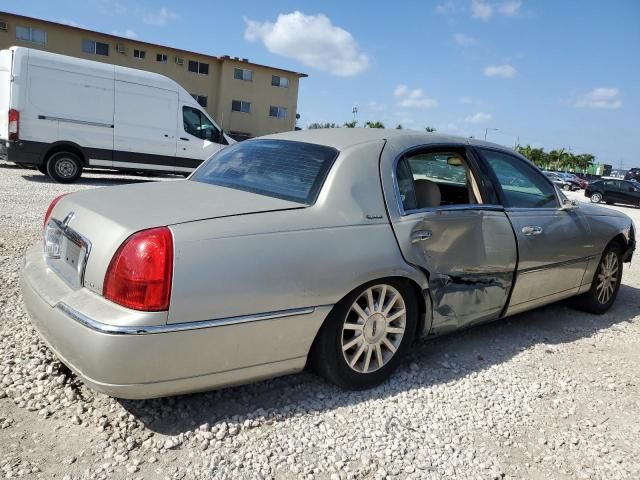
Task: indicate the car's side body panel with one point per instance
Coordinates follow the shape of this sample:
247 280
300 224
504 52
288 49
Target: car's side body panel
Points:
299 258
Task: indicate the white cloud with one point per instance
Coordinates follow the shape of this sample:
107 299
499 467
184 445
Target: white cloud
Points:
600 98
510 8
506 71
447 7
127 33
413 98
481 10
312 40
464 40
375 106
159 17
480 117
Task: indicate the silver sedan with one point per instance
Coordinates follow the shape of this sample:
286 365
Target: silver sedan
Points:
334 248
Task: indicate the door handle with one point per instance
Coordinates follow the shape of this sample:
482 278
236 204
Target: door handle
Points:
532 230
420 236
184 138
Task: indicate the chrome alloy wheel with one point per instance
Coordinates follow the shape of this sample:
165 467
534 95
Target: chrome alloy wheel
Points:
373 328
607 277
65 167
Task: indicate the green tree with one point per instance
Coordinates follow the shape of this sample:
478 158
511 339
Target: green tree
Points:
430 129
351 124
315 125
399 127
376 124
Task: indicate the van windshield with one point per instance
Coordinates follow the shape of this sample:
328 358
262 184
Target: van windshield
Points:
284 169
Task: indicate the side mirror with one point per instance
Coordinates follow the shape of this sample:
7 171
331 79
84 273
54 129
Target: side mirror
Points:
569 204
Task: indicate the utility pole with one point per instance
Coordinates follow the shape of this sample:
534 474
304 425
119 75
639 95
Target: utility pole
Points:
486 130
354 110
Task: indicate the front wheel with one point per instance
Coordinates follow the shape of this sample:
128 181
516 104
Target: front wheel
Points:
596 197
605 284
366 334
64 167
566 187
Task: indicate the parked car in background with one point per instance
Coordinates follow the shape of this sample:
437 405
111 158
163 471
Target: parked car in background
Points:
614 191
63 114
575 180
633 174
336 246
561 182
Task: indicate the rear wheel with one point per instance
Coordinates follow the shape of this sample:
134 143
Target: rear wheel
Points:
64 167
366 334
566 187
606 282
596 197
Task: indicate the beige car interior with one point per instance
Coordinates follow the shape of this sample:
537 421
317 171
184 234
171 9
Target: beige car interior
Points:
430 194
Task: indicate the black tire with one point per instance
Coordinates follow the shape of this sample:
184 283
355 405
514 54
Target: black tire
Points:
64 167
327 356
566 188
593 300
43 169
596 197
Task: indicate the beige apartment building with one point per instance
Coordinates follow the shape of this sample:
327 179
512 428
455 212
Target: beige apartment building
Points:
245 98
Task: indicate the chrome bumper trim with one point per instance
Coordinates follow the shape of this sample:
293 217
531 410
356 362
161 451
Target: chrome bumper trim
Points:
175 327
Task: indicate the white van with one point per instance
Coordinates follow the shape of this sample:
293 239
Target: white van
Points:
63 114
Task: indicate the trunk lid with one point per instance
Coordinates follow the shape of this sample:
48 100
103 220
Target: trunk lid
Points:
108 216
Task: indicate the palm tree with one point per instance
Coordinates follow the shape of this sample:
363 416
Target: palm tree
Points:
351 124
430 129
376 124
399 127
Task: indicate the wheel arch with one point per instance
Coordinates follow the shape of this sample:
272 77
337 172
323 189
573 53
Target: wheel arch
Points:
65 146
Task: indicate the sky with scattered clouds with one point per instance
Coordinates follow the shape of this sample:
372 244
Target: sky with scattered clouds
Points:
545 73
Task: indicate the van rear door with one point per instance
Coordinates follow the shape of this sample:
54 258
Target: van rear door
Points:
6 61
145 127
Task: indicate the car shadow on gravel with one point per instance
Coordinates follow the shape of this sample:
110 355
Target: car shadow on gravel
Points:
429 363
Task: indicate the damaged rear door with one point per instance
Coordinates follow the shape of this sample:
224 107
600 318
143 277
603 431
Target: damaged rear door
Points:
447 221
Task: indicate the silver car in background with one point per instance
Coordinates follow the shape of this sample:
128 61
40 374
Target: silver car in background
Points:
335 248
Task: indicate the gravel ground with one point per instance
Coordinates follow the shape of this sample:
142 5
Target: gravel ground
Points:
550 394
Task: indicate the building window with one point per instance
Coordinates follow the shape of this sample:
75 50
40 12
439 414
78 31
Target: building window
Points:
198 67
241 106
161 57
141 54
243 74
201 99
278 112
95 48
278 81
31 35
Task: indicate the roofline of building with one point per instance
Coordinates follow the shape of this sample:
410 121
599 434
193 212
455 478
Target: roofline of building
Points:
221 58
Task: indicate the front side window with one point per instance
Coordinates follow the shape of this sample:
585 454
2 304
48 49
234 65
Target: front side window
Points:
278 112
278 81
141 54
241 106
95 48
198 124
243 74
522 185
289 170
435 178
161 57
31 35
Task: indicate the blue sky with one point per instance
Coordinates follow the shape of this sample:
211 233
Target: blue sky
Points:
551 73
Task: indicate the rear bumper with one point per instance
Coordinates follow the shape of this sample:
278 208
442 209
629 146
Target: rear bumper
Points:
144 362
25 152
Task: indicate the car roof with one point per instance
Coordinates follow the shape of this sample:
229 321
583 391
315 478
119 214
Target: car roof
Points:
343 138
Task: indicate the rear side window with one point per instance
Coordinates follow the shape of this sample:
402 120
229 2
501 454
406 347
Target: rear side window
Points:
292 171
523 186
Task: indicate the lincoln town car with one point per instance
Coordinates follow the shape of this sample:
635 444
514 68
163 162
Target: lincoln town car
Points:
333 249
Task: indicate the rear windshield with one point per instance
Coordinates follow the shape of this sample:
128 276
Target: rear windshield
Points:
277 168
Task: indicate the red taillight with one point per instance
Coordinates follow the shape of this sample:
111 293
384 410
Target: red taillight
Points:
14 124
50 208
139 275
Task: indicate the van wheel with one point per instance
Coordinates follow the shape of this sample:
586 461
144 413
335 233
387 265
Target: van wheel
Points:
64 167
